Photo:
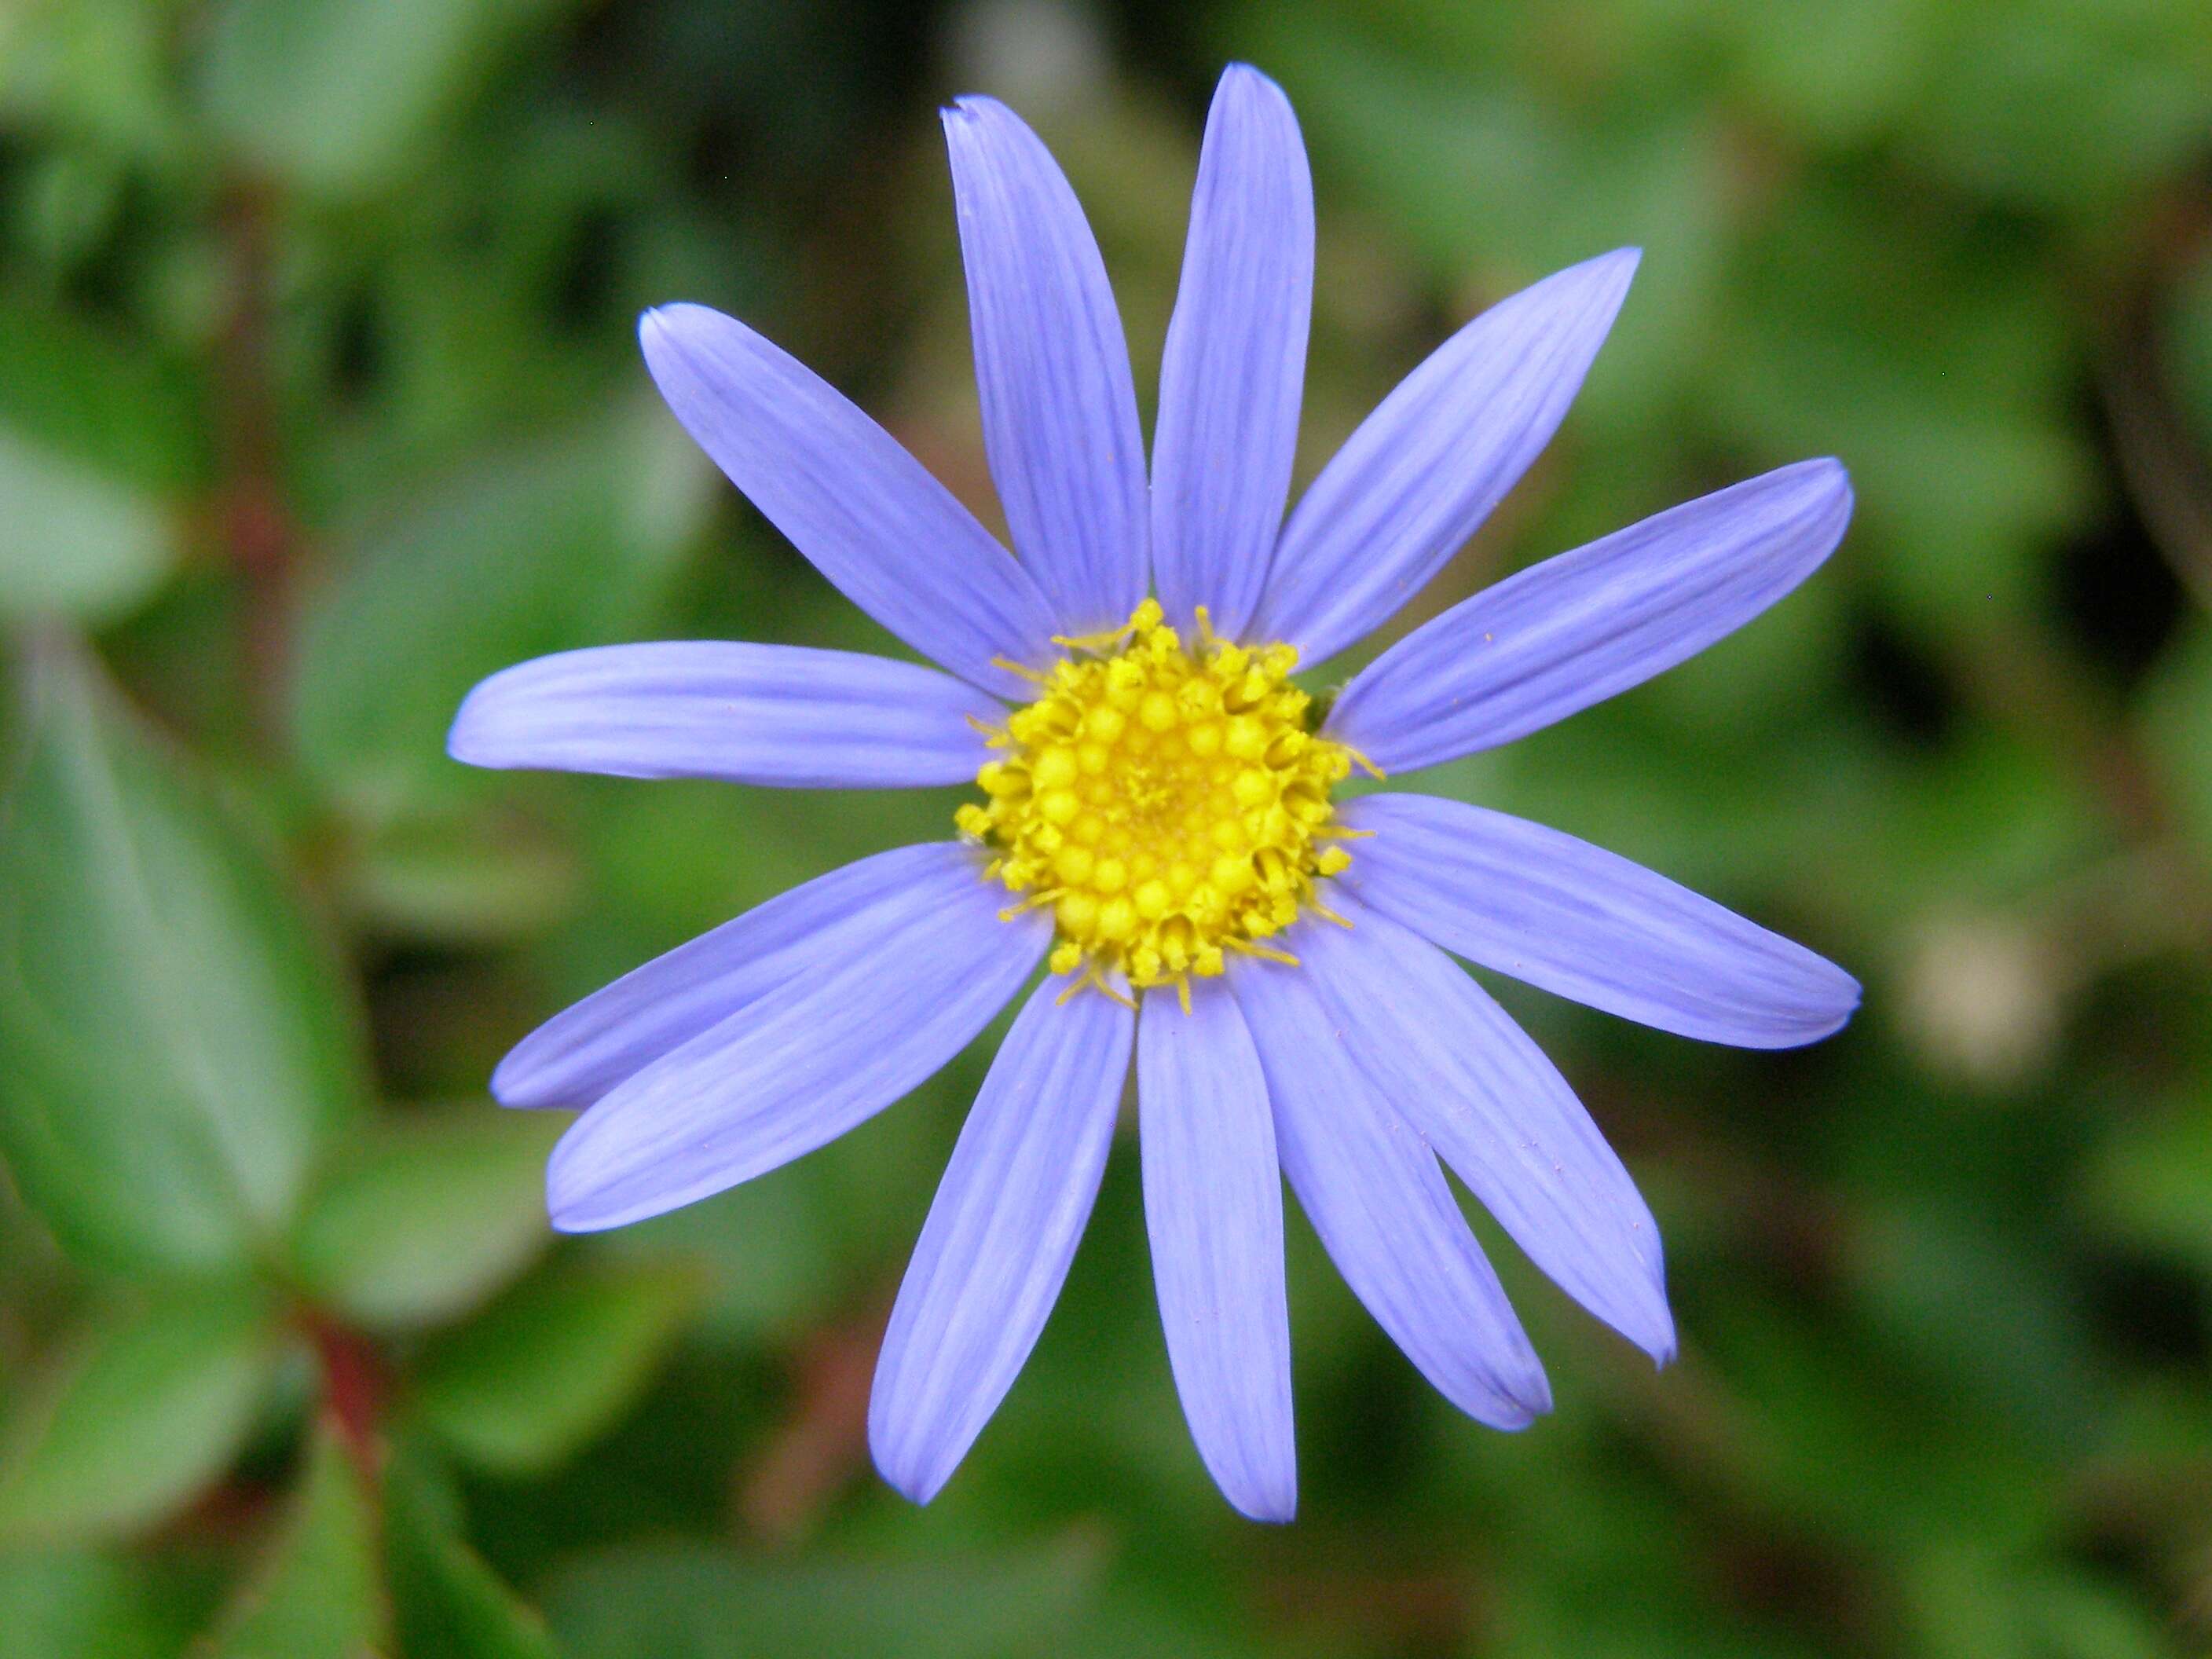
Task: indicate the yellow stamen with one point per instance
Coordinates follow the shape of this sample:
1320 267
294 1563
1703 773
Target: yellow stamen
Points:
1145 615
1025 672
1092 977
1365 765
1168 804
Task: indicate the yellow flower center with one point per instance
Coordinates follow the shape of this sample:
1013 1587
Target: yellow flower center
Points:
1170 805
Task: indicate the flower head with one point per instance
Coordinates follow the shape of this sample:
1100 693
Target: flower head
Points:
1172 807
1157 823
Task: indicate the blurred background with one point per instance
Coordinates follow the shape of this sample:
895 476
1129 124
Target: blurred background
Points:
319 400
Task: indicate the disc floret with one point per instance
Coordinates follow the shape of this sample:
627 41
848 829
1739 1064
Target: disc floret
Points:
1170 805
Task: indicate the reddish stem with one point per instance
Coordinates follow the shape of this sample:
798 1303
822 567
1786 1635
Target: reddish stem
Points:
258 535
355 1387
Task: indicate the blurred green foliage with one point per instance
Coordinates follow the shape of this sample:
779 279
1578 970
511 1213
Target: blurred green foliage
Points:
318 400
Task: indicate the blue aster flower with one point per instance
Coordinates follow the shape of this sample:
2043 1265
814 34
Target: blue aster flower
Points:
1158 825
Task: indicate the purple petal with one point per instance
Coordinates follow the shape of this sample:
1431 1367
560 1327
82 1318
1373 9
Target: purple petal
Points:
872 520
1235 367
845 1034
864 908
1575 629
1426 467
1213 1205
1001 1234
1060 414
1484 1096
1373 1191
1588 924
750 714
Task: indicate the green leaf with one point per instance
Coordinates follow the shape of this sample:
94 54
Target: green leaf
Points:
65 1606
428 1218
150 1410
552 1366
97 437
448 1604
175 1043
79 544
320 1594
98 74
337 95
687 1602
565 544
469 878
2151 1186
115 403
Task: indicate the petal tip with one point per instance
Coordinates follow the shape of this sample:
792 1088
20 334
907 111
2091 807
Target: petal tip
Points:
1657 1337
917 1484
587 1210
1269 1508
1604 276
1511 1416
660 326
1589 292
1616 271
1830 999
576 1198
1632 1302
512 1083
567 1214
1592 292
1826 485
1537 1395
1846 496
1849 993
1243 77
1513 1401
464 738
1847 998
571 1213
669 334
973 110
1531 1388
483 729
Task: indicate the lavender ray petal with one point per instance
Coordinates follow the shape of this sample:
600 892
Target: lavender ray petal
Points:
1583 922
1059 410
815 929
748 713
890 538
1484 1096
1412 485
1001 1234
1374 1192
1576 629
1213 1208
1234 371
830 1046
